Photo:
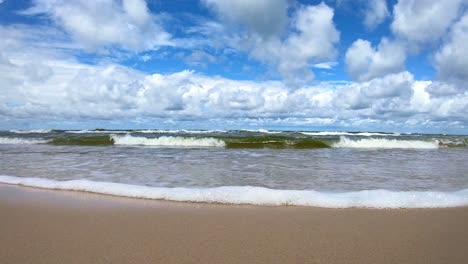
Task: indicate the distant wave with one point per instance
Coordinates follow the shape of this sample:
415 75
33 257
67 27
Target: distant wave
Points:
176 131
264 131
363 134
9 140
242 141
167 141
258 195
34 131
384 143
97 131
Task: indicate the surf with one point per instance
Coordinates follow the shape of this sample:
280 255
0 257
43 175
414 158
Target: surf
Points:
257 195
167 141
384 143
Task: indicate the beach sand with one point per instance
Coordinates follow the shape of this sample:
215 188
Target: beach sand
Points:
41 226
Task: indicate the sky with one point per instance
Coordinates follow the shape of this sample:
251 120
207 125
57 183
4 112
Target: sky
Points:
342 65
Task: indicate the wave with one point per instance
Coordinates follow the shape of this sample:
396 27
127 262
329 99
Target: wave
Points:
384 143
83 141
363 134
177 131
261 130
456 143
277 142
34 131
167 141
97 131
247 142
9 140
257 195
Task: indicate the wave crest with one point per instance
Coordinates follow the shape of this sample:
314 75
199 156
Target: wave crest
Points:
384 143
34 131
167 141
337 133
8 140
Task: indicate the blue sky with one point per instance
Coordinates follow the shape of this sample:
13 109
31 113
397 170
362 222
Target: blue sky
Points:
284 64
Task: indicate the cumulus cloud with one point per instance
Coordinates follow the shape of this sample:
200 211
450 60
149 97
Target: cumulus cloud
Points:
58 88
264 17
422 22
376 12
127 24
365 62
372 12
41 79
311 39
452 59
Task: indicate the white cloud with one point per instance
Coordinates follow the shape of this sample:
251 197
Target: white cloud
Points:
199 58
452 59
60 89
127 24
422 22
328 65
372 12
376 12
40 80
365 63
311 38
264 17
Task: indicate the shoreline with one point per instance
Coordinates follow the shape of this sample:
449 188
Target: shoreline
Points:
46 226
255 195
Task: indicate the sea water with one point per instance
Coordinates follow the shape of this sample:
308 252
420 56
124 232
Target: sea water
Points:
325 169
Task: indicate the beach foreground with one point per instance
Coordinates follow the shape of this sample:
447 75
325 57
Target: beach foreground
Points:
40 226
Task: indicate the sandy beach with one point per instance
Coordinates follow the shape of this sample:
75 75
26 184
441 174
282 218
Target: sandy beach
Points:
40 226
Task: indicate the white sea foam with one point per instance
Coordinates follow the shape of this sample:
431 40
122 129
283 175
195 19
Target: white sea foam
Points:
97 131
36 131
258 195
264 131
385 143
168 141
176 131
335 133
8 140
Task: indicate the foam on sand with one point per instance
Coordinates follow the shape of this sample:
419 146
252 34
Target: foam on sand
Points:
167 141
385 143
258 195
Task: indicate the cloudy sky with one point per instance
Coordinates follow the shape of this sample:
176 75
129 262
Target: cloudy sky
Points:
399 65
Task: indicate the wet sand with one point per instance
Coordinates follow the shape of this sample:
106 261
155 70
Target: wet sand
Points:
40 226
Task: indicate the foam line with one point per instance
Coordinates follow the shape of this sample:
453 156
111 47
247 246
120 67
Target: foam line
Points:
258 195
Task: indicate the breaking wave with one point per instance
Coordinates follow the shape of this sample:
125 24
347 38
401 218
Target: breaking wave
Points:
97 131
258 195
384 143
167 141
38 131
363 134
176 131
9 140
211 138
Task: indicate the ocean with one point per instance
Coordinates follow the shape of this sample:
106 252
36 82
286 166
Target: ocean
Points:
259 167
